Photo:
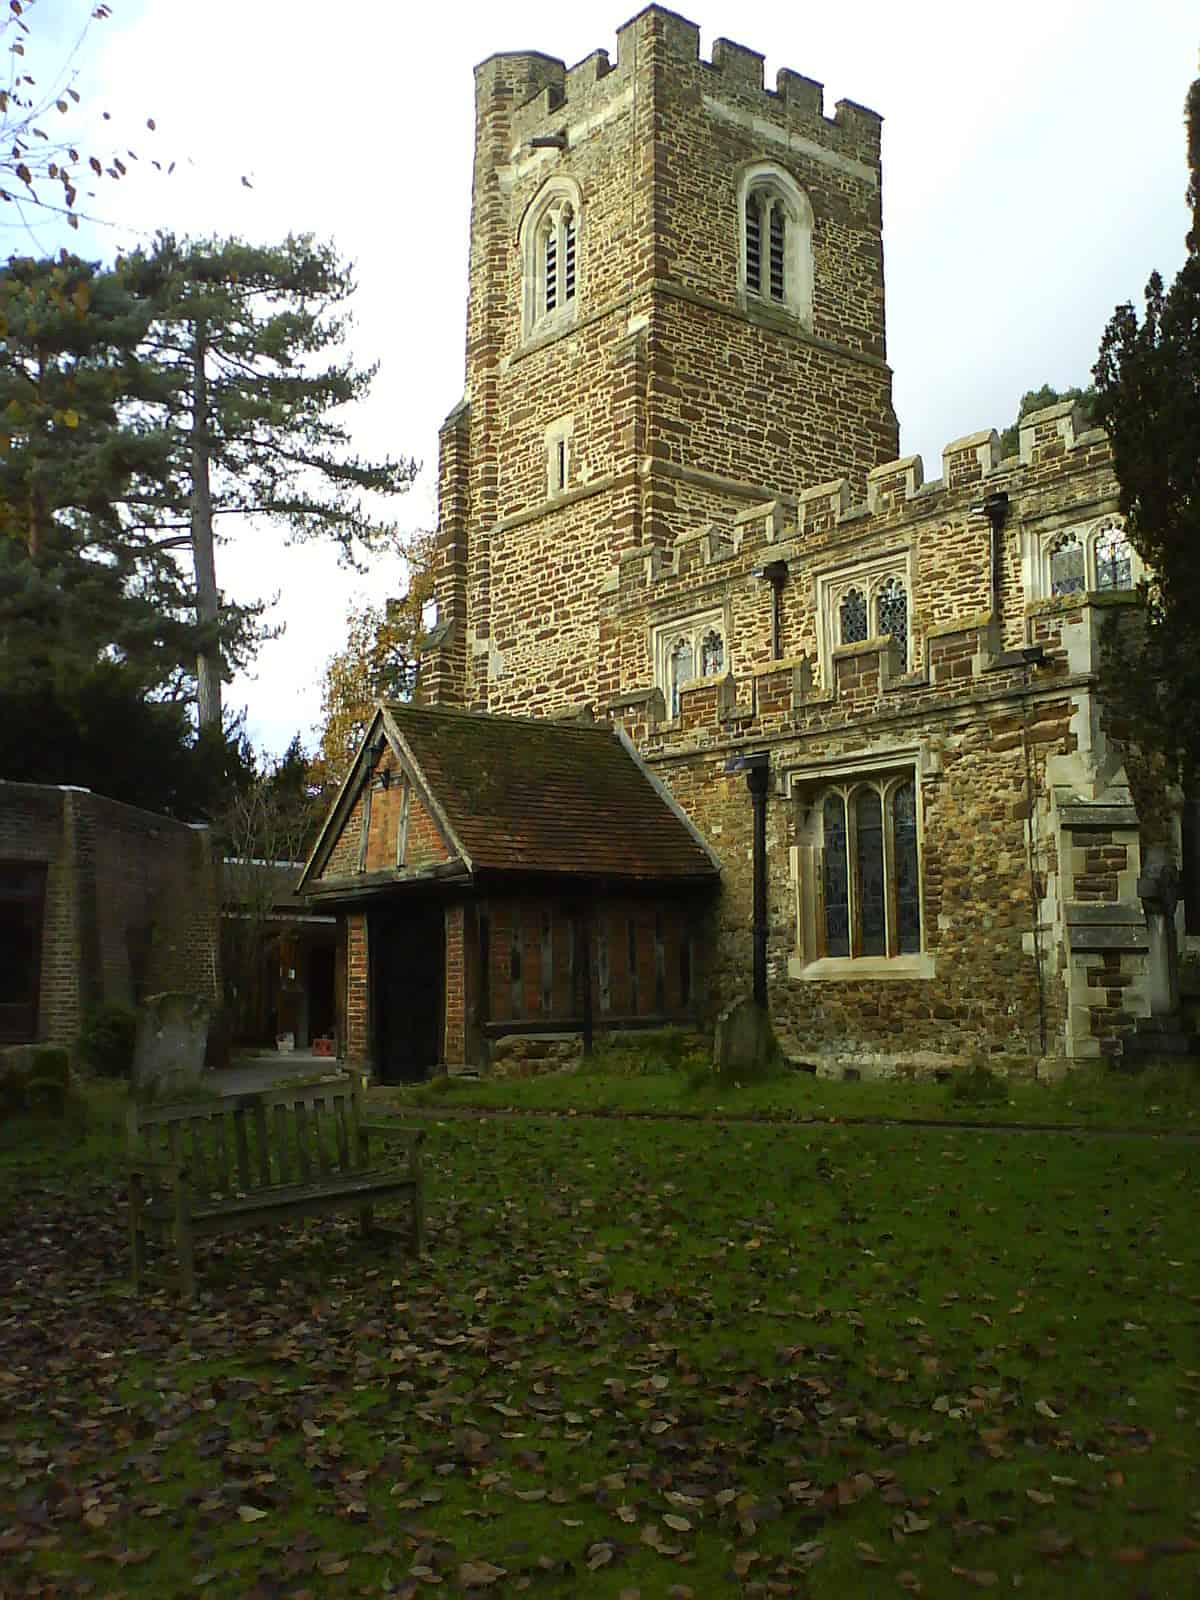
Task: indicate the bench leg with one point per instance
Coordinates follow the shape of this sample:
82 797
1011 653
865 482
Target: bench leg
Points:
418 1220
137 1235
185 1246
366 1221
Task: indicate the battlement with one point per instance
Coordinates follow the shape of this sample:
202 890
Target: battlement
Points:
540 86
1053 440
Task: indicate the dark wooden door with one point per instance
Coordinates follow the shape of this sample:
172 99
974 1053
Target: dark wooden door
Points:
408 981
22 895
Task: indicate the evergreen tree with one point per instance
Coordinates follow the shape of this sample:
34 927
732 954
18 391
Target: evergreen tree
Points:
1148 398
85 570
245 334
1037 400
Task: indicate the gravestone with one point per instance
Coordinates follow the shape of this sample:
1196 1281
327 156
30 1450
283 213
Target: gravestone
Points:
168 1056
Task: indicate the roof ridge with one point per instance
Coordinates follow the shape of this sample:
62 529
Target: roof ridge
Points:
406 707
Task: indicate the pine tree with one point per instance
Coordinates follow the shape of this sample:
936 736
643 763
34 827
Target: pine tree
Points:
246 335
1148 398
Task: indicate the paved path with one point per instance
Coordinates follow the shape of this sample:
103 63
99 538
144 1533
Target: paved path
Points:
252 1074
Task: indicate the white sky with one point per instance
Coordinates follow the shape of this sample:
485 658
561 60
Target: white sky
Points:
1033 175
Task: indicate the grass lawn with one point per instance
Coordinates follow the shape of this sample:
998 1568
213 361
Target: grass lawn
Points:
631 1081
656 1359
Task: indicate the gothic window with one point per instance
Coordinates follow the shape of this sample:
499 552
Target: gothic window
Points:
549 243
1068 572
1114 559
712 654
870 874
558 259
685 651
1083 560
683 670
891 610
853 617
776 244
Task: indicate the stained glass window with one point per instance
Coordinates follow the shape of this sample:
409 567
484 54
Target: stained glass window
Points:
682 669
853 615
904 855
891 609
872 918
1068 573
1113 560
871 870
712 654
837 878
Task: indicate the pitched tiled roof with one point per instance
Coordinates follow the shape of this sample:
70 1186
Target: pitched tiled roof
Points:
527 795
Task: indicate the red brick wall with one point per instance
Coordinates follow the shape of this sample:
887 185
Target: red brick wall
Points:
358 1012
132 901
455 1038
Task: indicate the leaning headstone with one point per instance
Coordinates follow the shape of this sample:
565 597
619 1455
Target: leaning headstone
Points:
744 1045
168 1057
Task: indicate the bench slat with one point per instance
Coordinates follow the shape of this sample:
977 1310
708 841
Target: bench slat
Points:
198 1127
301 1114
242 1147
320 1116
280 1121
221 1151
264 1150
343 1142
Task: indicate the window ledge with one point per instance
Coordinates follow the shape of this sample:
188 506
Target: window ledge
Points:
870 969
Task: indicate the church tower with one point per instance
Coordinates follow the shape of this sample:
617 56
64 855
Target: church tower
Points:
676 312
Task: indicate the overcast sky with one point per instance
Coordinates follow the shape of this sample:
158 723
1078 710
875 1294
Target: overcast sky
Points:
1033 175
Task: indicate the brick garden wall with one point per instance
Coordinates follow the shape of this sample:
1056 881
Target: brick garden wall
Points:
132 901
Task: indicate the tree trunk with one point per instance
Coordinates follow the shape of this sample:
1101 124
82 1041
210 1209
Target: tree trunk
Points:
208 662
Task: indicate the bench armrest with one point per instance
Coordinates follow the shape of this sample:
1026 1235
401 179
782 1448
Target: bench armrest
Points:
394 1130
157 1164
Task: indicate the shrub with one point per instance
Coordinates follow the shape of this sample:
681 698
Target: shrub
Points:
978 1086
106 1041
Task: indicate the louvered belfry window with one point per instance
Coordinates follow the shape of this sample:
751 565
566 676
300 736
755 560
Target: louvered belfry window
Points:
766 246
558 260
778 223
753 245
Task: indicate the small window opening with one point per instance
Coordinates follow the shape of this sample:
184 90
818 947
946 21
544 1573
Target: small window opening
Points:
753 245
853 616
778 224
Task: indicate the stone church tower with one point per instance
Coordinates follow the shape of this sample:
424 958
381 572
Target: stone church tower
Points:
724 699
676 312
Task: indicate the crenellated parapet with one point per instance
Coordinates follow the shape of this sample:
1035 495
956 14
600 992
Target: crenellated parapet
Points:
542 87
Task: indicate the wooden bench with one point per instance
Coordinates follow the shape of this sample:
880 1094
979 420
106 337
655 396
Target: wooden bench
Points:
223 1166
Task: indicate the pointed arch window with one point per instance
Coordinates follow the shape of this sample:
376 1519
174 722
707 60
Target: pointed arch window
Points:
870 869
852 616
1084 560
550 247
687 650
891 612
776 221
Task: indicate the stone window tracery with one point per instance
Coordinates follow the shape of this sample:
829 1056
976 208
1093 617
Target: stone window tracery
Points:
775 259
853 616
686 651
1082 560
869 870
891 611
549 243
